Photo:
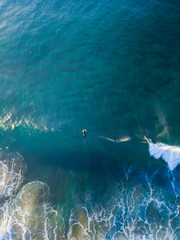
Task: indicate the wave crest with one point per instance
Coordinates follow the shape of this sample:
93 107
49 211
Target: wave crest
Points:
170 154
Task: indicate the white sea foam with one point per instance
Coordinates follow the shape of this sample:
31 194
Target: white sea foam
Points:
170 154
28 215
131 213
137 213
12 169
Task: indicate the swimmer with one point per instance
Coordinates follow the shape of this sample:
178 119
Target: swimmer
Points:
84 132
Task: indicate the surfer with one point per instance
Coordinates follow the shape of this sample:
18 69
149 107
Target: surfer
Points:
84 132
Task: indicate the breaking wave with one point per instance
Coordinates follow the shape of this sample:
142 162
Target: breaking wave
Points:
170 154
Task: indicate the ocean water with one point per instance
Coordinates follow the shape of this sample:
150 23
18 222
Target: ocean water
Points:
113 68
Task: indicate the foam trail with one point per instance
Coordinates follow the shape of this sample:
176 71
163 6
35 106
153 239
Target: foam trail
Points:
124 139
170 154
172 179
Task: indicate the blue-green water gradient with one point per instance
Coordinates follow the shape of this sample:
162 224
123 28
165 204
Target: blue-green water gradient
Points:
111 67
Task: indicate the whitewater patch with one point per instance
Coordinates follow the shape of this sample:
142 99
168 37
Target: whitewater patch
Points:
12 169
132 213
25 212
170 154
29 215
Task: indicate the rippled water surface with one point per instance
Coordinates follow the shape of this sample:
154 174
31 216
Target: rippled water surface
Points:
111 67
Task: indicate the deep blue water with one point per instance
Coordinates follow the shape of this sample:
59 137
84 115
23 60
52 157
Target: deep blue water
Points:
111 67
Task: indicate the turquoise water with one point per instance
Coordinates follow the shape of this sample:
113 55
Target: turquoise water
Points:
111 67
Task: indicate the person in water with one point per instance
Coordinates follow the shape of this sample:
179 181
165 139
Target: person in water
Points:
84 132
